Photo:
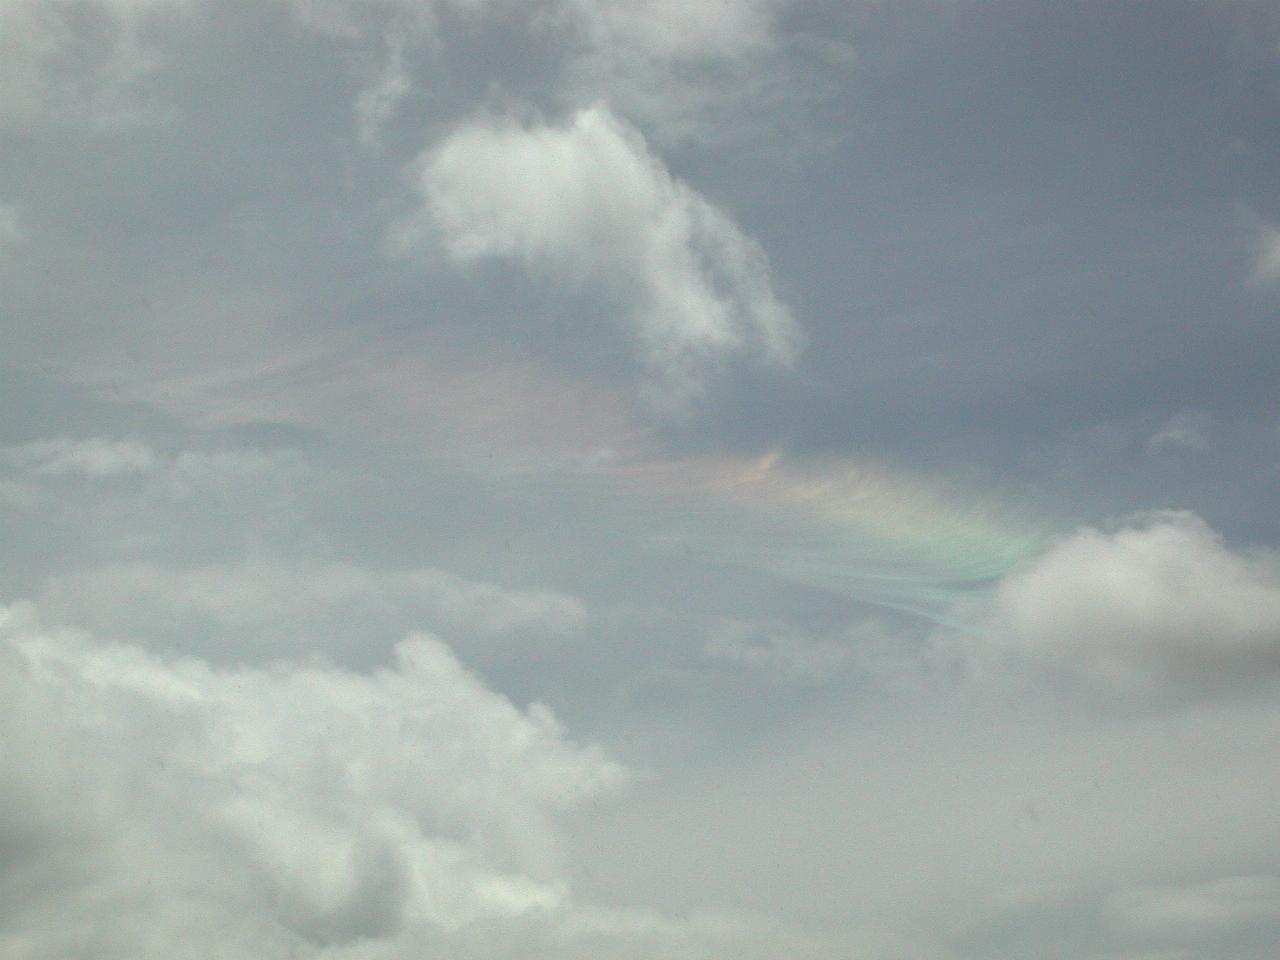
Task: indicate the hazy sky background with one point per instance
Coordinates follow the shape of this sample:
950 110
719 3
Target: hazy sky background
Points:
636 479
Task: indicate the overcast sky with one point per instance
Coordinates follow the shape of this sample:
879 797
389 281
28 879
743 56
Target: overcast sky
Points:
639 479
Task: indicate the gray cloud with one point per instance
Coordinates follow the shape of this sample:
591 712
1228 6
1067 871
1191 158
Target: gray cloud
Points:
1187 429
85 63
11 232
252 610
96 457
1198 911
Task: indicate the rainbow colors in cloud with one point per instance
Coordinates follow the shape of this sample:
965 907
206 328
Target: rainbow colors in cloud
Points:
865 531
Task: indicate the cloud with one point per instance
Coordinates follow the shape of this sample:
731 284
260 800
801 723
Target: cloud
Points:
587 205
487 397
11 232
672 30
163 806
671 62
782 655
378 102
44 467
82 63
1198 910
692 73
1161 601
258 609
1266 265
156 805
1187 429
97 457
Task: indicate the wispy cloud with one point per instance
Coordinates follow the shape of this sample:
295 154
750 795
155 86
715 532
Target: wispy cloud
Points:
86 64
96 457
1266 265
589 206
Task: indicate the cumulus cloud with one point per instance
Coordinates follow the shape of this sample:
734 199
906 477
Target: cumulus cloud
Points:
164 806
1160 601
589 206
167 807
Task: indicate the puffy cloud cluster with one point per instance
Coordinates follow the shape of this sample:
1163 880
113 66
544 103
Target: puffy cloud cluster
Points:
1161 601
588 205
161 806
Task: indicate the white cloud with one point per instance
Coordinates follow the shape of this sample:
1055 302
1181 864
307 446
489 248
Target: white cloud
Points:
588 205
157 806
165 807
1160 601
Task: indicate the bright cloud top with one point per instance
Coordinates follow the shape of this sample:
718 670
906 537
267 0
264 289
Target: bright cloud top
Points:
1163 600
281 808
589 206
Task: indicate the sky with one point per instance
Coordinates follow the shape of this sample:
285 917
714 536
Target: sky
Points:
639 479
